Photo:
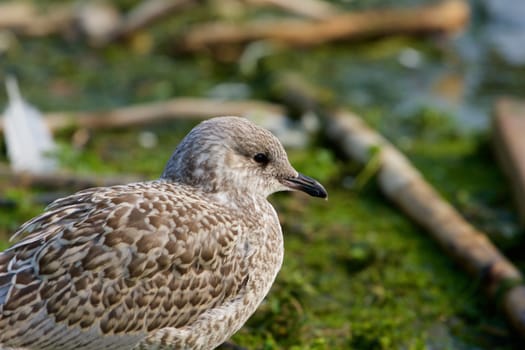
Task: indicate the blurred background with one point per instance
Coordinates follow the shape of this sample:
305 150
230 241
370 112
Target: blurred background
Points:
120 83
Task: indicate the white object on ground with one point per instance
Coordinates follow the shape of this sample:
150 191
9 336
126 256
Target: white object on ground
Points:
29 141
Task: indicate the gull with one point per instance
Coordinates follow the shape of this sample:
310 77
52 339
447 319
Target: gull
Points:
180 262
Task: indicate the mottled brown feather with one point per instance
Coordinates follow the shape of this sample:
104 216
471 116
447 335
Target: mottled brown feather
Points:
144 248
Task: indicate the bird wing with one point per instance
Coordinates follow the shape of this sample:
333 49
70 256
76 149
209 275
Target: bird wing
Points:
120 260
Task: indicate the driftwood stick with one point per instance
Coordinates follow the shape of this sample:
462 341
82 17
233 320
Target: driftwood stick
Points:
509 144
313 9
406 187
446 17
177 108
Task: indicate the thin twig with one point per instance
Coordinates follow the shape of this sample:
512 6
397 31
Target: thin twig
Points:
177 108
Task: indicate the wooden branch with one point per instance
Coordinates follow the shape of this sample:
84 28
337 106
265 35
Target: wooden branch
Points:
509 144
447 17
312 9
407 188
177 108
404 185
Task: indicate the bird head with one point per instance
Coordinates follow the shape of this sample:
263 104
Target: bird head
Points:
234 154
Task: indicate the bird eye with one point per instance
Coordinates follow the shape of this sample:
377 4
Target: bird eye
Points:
261 158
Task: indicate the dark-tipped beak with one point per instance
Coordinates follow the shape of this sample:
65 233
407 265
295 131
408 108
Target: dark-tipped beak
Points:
305 184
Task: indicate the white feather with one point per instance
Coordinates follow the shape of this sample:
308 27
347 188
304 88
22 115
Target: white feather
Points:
28 139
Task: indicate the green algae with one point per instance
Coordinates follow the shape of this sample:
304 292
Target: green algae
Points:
357 274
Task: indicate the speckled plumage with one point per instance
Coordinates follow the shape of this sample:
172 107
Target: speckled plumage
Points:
177 263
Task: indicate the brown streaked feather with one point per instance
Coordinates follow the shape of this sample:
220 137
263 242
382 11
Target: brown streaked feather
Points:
120 260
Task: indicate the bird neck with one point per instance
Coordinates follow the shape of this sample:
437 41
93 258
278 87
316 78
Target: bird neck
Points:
239 200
